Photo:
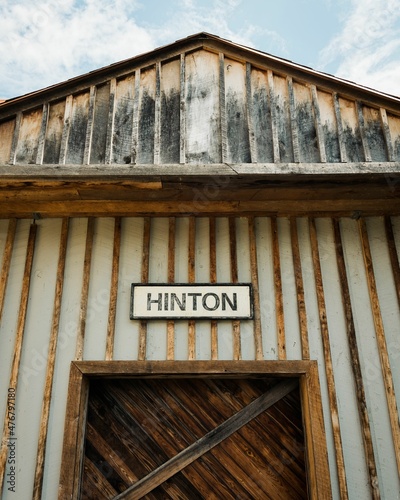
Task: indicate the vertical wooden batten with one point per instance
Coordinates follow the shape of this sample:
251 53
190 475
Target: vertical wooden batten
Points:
361 123
386 134
301 305
192 279
333 405
42 134
157 117
182 111
293 121
355 364
18 346
5 268
15 138
381 341
144 279
213 279
135 118
237 350
339 124
274 129
256 292
112 310
80 338
51 359
222 109
171 279
89 128
279 310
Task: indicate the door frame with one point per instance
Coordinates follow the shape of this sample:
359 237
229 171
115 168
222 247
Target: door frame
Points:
81 372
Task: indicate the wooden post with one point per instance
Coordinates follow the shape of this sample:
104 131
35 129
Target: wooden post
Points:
171 279
279 311
237 350
256 293
213 279
5 268
192 279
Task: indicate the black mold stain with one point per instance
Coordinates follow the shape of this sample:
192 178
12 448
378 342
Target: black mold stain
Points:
146 129
170 127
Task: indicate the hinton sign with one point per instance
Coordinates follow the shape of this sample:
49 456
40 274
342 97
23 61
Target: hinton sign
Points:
186 301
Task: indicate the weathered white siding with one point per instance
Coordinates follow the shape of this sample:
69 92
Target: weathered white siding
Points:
32 369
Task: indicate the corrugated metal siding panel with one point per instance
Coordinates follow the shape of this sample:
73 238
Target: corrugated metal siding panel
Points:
202 108
41 298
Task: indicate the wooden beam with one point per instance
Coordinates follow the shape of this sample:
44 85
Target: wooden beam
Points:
144 279
171 279
279 310
5 268
256 292
237 349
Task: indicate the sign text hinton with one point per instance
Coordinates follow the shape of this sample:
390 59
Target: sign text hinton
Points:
180 301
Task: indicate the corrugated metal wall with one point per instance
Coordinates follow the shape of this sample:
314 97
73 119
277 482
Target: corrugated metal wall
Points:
279 256
201 107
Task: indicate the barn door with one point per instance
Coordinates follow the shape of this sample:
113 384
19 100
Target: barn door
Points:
194 438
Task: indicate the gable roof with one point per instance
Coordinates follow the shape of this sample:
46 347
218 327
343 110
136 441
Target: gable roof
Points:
200 107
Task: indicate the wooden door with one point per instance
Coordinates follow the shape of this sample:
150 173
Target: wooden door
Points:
208 438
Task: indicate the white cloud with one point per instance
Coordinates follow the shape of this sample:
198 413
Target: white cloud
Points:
45 42
367 50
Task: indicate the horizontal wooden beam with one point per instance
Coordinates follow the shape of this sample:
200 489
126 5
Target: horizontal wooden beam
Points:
118 208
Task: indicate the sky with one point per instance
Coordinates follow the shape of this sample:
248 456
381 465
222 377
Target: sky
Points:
48 41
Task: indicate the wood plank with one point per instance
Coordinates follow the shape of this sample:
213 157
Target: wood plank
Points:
70 475
135 125
279 309
42 134
272 105
170 118
293 121
5 267
301 305
339 123
54 133
319 128
110 122
66 129
112 310
89 126
182 142
171 279
80 336
192 279
101 113
51 361
237 348
216 436
334 412
102 489
78 150
17 352
6 134
222 109
256 292
144 279
250 125
355 363
381 341
318 468
29 132
157 115
394 260
387 135
361 123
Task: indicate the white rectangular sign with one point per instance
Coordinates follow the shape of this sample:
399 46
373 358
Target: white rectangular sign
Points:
187 301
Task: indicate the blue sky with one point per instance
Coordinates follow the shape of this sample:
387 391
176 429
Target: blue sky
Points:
48 41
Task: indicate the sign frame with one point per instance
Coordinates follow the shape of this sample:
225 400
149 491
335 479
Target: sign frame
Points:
173 286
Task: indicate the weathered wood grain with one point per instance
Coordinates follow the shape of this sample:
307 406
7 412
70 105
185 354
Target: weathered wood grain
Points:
100 125
237 348
18 344
28 138
381 341
256 292
51 360
6 139
279 309
192 279
80 337
355 364
77 141
52 145
333 404
112 309
5 266
144 279
171 279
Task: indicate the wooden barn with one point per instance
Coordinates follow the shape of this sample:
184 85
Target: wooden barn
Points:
200 282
